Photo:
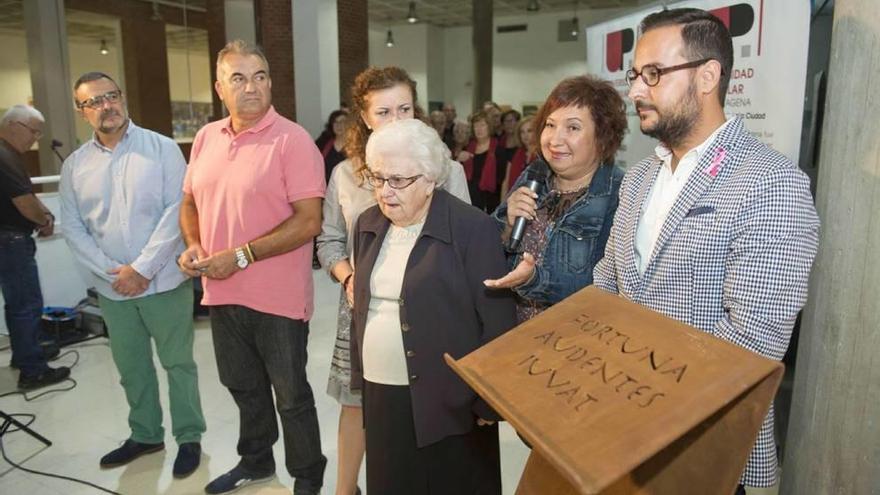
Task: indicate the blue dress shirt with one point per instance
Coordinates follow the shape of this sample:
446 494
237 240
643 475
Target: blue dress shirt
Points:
121 206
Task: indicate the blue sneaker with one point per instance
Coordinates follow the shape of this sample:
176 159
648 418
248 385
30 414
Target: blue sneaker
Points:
234 480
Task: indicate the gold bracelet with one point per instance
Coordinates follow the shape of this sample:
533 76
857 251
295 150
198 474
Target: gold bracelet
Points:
249 252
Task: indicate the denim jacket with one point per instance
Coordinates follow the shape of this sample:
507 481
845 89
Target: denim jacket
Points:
575 242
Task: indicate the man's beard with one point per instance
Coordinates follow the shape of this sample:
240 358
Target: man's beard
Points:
674 128
106 129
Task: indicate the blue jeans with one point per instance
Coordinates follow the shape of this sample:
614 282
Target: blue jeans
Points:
257 352
20 284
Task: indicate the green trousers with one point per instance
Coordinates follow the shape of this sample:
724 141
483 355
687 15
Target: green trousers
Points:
167 319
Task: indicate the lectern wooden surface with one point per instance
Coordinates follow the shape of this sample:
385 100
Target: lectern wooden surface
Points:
616 398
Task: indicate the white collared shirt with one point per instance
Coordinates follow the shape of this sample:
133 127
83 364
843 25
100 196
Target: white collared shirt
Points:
664 193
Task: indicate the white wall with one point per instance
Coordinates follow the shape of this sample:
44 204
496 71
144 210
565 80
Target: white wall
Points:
328 54
409 52
15 77
436 54
526 64
316 62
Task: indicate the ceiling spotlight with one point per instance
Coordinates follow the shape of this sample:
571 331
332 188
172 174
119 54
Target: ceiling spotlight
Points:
103 49
575 26
389 40
533 6
411 16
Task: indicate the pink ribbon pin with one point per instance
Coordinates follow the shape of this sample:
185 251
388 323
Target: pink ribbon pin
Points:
715 166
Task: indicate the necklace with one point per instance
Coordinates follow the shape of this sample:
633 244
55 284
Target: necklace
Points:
587 179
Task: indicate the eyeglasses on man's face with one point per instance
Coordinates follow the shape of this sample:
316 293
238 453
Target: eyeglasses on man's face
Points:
99 100
36 132
395 182
650 73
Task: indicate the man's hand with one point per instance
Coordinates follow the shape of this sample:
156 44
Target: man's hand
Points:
520 275
188 259
219 265
128 281
49 228
484 422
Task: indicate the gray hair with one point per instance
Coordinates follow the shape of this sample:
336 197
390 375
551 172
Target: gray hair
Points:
21 113
240 47
418 141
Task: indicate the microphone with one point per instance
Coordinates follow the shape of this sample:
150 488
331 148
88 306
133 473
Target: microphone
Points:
536 174
55 145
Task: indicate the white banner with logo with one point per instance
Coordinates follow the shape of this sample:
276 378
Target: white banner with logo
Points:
770 42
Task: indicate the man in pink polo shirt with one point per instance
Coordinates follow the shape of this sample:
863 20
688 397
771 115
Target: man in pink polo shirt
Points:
251 208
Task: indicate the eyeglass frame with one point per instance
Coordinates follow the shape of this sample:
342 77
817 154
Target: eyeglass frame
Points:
632 74
36 133
382 180
96 102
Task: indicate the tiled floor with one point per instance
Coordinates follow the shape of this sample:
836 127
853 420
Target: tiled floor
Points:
87 422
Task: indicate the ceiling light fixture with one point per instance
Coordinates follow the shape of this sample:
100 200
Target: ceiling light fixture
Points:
411 16
533 6
575 24
103 49
389 40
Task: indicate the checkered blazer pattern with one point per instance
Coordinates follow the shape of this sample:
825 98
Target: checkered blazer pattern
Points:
733 257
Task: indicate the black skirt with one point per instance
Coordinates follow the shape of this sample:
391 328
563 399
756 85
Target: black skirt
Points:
466 464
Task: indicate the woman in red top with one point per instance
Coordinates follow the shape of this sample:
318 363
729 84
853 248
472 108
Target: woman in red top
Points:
522 156
479 160
332 141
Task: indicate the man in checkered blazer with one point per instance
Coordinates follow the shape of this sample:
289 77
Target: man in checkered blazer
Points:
716 229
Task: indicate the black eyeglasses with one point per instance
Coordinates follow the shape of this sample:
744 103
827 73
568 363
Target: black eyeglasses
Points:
98 101
650 73
394 182
36 132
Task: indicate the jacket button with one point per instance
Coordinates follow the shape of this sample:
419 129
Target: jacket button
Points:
404 327
410 353
413 378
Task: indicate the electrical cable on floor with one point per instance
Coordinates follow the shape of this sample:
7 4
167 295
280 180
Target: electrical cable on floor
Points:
43 473
33 418
29 398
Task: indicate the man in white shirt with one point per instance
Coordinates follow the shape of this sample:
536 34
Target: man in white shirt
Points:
716 229
120 200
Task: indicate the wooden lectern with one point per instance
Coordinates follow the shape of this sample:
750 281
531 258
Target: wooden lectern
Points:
618 399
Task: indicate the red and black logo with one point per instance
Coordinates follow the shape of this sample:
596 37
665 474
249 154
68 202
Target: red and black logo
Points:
738 18
616 45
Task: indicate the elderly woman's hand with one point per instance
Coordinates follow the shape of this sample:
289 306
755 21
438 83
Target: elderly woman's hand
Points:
521 203
520 275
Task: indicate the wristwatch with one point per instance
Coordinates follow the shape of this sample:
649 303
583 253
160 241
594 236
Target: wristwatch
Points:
240 258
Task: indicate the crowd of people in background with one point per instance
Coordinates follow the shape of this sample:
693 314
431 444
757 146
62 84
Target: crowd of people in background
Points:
413 214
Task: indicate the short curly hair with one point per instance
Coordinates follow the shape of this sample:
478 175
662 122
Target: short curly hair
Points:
607 109
414 139
372 79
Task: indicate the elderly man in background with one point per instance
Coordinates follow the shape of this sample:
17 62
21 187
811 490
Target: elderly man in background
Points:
21 213
251 208
120 198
